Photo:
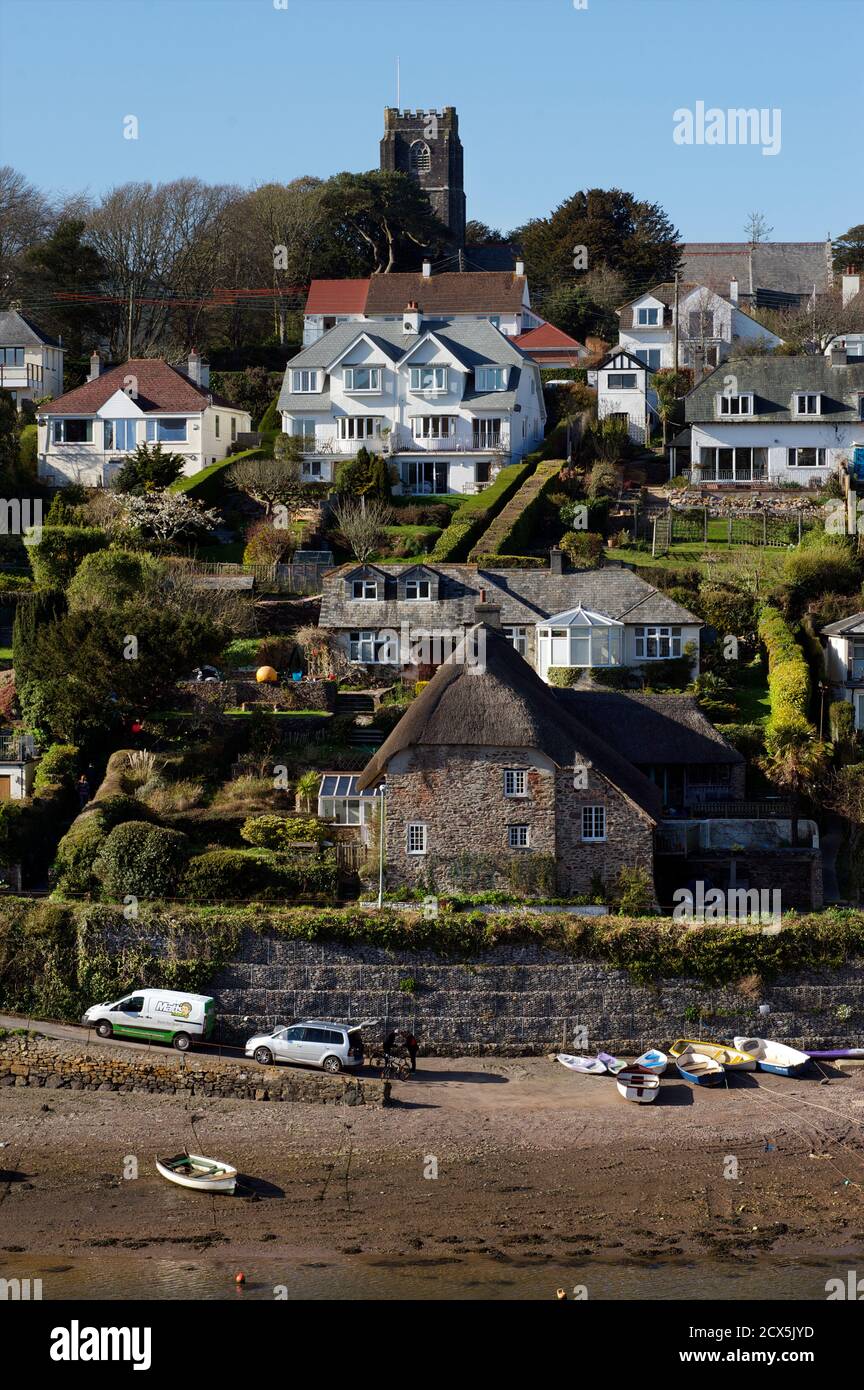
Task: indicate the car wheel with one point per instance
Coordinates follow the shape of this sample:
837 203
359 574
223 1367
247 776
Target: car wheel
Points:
332 1064
104 1029
181 1041
264 1056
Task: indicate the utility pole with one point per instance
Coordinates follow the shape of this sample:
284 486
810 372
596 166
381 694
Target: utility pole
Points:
381 846
675 328
129 327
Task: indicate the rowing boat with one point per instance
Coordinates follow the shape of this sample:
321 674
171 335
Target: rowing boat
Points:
836 1053
653 1060
613 1064
591 1065
195 1171
698 1069
731 1058
775 1057
637 1085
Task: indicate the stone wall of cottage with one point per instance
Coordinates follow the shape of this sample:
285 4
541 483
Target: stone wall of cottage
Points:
629 839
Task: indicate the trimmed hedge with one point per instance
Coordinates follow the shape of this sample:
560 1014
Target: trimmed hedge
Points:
514 524
208 486
511 562
478 510
788 673
278 832
223 875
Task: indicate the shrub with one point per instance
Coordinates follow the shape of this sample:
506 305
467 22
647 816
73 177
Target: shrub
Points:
564 676
167 797
59 552
58 765
841 715
488 560
241 651
225 874
582 548
266 544
277 832
28 446
821 563
633 892
148 470
73 862
109 578
788 674
142 860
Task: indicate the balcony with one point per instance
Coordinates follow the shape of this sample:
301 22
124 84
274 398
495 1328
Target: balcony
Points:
16 378
462 441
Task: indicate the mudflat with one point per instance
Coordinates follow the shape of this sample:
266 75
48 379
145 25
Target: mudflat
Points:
532 1162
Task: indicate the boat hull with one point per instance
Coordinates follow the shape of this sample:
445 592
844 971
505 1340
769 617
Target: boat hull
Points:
642 1087
586 1066
699 1070
777 1058
221 1178
653 1061
730 1058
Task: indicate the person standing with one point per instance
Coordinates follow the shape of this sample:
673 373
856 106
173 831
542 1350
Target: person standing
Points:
412 1045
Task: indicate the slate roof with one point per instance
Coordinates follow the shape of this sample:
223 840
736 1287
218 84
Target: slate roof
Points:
160 389
791 267
474 292
854 623
526 597
651 729
18 331
773 380
505 705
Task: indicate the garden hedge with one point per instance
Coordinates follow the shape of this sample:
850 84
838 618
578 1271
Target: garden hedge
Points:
788 673
477 511
208 486
514 525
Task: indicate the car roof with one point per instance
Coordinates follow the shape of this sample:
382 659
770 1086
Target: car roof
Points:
322 1023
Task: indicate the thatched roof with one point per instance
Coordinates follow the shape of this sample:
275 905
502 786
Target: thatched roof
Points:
504 705
651 729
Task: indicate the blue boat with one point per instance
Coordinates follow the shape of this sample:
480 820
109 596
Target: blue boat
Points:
698 1069
775 1057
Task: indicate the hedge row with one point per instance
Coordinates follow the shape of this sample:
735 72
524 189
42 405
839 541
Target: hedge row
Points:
510 562
475 513
208 485
788 673
58 958
515 523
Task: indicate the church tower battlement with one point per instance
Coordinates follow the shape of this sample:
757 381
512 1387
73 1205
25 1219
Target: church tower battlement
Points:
426 145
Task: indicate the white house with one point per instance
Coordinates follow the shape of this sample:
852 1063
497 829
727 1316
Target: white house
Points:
708 326
844 662
777 419
31 363
851 340
447 401
624 392
18 762
86 435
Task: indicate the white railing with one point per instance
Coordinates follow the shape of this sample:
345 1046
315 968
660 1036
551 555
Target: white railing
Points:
27 375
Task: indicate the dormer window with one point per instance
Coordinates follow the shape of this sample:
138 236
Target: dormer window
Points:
418 589
808 403
428 378
647 318
364 588
304 381
491 378
362 378
735 404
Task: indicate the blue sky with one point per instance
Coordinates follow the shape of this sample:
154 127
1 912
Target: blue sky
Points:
551 98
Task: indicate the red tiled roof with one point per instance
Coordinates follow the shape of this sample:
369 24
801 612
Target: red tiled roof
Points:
545 338
159 387
337 297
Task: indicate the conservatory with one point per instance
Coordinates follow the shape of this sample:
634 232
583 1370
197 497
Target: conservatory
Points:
579 637
340 801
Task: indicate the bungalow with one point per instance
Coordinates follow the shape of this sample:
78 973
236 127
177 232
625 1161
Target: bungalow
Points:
86 435
18 761
777 419
31 363
382 615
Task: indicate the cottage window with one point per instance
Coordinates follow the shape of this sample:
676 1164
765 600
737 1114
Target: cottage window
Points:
433 426
490 378
735 405
311 468
808 403
364 588
621 381
807 458
518 836
515 781
593 822
417 588
303 381
365 647
120 434
417 838
68 431
646 318
518 638
165 431
362 378
428 378
657 643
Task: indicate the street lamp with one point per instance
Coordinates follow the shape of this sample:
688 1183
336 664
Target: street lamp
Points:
381 791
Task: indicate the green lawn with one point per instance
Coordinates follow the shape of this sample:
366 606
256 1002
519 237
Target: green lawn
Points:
726 560
751 695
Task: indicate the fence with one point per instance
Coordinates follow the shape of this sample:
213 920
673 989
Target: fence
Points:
777 529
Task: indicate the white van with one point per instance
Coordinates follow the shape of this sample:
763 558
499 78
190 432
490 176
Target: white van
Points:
155 1015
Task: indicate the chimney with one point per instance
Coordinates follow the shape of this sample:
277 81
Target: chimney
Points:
838 355
520 268
733 290
411 317
488 613
556 561
95 366
851 285
197 369
427 269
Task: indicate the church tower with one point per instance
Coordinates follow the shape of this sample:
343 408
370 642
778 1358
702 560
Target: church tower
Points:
426 145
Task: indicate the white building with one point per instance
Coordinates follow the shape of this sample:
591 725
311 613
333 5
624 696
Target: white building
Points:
447 401
851 340
777 419
844 662
31 363
18 763
86 435
708 326
624 393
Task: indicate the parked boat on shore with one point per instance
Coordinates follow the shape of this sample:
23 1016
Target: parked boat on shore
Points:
731 1058
637 1085
775 1057
653 1060
590 1065
834 1054
200 1173
698 1069
613 1064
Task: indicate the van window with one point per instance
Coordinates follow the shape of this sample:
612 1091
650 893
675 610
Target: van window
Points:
295 1033
321 1035
133 1005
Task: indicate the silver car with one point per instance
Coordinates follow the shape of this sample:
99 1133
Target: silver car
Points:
313 1042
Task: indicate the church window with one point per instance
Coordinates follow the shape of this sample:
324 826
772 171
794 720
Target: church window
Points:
419 158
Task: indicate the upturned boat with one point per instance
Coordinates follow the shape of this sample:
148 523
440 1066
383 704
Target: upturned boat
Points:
637 1085
200 1173
698 1069
775 1057
653 1060
591 1065
732 1058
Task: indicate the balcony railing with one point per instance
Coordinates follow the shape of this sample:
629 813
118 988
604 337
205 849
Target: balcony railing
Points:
709 473
29 374
16 748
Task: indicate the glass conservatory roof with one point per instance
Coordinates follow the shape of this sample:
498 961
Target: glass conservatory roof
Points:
580 617
341 784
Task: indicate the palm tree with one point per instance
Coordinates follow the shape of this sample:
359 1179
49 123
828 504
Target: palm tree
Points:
794 759
307 789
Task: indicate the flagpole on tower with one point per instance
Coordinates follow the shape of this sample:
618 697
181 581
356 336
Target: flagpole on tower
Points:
398 88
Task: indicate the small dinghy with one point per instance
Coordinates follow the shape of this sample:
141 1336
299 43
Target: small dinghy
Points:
635 1084
731 1058
833 1054
698 1069
195 1171
775 1057
653 1060
613 1064
591 1065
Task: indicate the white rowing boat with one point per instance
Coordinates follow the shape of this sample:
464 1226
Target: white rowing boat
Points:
590 1065
653 1060
635 1084
775 1057
200 1173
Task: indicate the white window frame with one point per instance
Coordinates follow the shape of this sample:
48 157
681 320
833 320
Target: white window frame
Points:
304 381
648 317
433 426
486 431
622 381
732 404
302 429
363 645
439 380
658 634
413 588
311 468
519 836
374 387
821 460
594 823
364 585
516 783
416 838
58 430
490 378
111 433
359 426
518 638
156 426
806 397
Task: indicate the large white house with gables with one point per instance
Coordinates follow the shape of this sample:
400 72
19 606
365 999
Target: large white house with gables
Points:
448 401
709 324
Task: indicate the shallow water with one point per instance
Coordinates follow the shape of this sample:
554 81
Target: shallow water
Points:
337 1278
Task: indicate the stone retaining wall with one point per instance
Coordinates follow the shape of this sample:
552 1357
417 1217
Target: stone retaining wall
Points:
55 1064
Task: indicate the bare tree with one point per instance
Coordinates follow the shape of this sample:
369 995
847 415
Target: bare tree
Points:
757 228
25 219
276 482
362 524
